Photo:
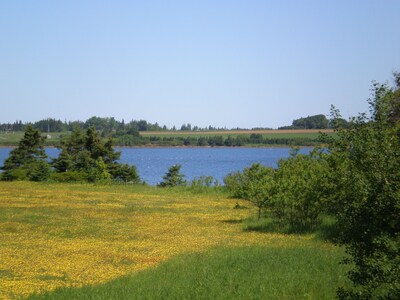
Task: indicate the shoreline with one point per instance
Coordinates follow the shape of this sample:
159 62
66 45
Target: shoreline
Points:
194 147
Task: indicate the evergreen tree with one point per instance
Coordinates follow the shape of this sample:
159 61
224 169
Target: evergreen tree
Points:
87 156
26 158
173 177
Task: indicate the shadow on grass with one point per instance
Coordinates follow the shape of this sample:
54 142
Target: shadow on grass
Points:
326 229
232 221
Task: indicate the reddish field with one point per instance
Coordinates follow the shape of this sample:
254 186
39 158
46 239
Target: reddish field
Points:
288 131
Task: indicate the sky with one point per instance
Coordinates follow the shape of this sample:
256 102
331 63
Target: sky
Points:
221 63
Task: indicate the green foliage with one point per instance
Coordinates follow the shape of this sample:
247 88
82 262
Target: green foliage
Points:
365 163
205 184
294 194
83 157
173 177
310 122
28 160
99 172
203 181
124 173
39 171
300 193
257 186
85 153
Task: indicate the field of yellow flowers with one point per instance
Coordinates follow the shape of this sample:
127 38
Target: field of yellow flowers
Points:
54 235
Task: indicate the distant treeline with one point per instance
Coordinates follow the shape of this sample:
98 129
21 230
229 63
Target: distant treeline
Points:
111 125
106 126
314 122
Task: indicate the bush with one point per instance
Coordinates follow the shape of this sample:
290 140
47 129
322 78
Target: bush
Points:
40 171
70 176
300 193
124 173
255 184
295 194
16 174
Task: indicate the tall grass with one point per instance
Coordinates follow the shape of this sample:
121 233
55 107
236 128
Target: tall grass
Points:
238 273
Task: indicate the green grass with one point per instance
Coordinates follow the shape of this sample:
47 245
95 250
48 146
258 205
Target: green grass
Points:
236 273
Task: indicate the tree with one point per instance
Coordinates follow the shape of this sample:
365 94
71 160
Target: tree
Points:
173 177
258 186
124 173
310 122
84 155
29 157
300 193
365 168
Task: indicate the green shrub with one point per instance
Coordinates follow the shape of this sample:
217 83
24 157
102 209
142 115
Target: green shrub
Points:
40 171
124 173
70 176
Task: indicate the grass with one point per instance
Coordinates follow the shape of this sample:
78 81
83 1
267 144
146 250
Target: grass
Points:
226 273
84 238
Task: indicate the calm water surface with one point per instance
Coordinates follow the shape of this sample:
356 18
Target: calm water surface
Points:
153 163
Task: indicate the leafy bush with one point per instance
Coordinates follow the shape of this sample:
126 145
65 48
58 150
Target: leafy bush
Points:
300 193
16 174
295 194
365 168
255 184
234 183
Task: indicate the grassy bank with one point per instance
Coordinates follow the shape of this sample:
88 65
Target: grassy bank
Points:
116 238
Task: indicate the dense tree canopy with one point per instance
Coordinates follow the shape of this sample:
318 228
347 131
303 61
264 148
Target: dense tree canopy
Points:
86 155
310 122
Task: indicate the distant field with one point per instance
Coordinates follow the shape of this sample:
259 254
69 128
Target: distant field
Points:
12 138
54 138
298 133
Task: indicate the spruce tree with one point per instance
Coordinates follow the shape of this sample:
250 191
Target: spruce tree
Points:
173 177
27 159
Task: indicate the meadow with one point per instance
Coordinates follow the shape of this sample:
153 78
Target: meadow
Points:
86 241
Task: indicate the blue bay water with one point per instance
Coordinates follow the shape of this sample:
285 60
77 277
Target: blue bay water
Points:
153 163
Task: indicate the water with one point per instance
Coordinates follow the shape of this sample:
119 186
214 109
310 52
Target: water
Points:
153 163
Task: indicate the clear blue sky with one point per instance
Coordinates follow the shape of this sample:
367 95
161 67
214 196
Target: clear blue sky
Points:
221 63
